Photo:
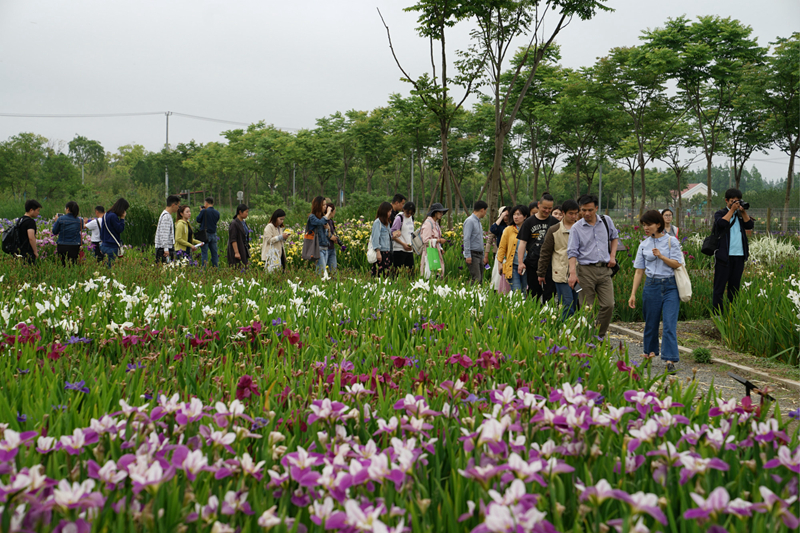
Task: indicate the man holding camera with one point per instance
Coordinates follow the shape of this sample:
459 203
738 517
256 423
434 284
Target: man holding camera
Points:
732 224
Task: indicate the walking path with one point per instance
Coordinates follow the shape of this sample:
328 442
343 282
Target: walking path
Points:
784 390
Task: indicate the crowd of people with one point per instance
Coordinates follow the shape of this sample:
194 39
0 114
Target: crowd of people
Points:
565 252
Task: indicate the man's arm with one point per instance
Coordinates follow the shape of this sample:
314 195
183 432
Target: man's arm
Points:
467 239
32 240
613 253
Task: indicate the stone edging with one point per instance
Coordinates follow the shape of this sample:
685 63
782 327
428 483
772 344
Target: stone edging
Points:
789 383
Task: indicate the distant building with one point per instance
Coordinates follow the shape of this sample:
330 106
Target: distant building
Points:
693 190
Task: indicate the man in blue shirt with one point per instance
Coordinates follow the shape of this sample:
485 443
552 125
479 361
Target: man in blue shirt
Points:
208 218
732 224
473 242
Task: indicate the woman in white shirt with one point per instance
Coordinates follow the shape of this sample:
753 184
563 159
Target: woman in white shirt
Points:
403 255
95 225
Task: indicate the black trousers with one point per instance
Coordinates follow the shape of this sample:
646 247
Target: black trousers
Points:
161 258
726 273
70 251
543 293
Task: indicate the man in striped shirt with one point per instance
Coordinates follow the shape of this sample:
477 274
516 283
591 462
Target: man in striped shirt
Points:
165 231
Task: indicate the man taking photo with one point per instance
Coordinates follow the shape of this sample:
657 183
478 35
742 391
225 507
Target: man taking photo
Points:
732 223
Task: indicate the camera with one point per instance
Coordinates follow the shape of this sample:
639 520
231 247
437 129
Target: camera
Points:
745 205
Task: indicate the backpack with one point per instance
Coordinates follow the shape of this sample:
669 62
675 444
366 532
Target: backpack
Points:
11 240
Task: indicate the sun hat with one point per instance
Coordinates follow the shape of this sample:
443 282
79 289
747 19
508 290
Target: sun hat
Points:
437 207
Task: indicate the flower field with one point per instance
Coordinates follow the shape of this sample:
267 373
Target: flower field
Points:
146 399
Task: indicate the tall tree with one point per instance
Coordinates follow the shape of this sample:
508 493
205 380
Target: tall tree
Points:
435 18
713 53
27 152
784 119
500 24
86 151
636 78
681 151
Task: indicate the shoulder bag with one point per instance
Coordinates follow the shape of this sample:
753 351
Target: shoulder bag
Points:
711 243
417 244
310 245
615 268
682 280
121 251
201 234
372 255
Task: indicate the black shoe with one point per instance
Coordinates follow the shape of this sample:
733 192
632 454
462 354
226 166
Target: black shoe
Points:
671 370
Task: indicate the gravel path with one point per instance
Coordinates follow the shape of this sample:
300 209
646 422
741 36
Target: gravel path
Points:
707 375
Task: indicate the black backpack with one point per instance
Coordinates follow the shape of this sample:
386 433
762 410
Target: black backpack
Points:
11 241
711 243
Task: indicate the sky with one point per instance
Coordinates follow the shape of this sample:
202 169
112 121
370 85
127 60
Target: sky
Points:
287 63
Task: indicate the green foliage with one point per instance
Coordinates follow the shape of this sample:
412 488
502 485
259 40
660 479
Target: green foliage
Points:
140 226
702 356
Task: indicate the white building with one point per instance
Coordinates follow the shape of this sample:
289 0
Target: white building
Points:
693 190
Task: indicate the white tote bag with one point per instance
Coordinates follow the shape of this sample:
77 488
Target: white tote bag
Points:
682 280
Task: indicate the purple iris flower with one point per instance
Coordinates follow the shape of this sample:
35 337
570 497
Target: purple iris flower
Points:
795 414
21 418
133 367
79 386
78 340
278 322
27 371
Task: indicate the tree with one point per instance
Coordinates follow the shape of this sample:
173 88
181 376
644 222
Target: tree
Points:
713 54
26 154
368 132
636 77
435 17
500 23
86 151
58 175
784 118
681 151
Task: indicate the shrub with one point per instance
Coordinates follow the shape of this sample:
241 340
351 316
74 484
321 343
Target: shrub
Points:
702 356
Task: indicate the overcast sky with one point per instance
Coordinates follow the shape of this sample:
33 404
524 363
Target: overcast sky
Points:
287 63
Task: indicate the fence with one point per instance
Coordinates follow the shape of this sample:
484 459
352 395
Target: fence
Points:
769 219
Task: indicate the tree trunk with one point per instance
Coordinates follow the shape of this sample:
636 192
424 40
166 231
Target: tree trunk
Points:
633 192
495 175
708 184
578 177
641 174
678 222
785 224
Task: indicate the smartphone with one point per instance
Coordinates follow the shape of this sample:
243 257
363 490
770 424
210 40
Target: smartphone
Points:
577 287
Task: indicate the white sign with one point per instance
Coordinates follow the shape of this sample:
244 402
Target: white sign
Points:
240 196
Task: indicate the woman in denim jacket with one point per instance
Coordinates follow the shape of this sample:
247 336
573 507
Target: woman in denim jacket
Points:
318 223
68 229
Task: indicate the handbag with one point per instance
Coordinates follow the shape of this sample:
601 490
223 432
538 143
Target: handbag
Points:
372 255
711 243
121 251
417 244
434 261
310 246
615 268
201 234
682 280
503 287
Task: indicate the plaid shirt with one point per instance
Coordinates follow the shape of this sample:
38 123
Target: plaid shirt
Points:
165 232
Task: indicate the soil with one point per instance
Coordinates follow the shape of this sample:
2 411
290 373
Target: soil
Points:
702 333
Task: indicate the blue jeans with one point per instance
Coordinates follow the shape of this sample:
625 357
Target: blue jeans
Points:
518 282
211 245
109 253
568 299
322 262
331 261
661 303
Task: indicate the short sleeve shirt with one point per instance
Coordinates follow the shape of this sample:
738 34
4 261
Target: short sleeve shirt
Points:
533 232
654 267
25 224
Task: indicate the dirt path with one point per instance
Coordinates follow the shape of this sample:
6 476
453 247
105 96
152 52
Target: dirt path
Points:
702 334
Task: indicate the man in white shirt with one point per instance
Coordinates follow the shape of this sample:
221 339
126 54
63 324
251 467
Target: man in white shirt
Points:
165 231
95 225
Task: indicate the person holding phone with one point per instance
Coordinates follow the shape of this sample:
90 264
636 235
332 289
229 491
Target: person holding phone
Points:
318 223
111 231
184 236
93 225
275 235
68 229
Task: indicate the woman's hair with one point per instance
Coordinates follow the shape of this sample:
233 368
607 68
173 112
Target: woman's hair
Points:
73 208
278 213
383 212
241 208
409 207
522 209
181 209
653 217
318 207
119 207
667 209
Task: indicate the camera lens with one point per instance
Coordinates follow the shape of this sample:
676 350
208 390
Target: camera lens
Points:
745 205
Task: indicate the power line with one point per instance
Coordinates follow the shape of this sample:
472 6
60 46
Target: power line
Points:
112 115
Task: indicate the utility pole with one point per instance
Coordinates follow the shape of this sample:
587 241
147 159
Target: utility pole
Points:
600 188
730 174
294 191
166 167
412 174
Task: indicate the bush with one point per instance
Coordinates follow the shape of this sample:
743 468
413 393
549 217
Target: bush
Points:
702 356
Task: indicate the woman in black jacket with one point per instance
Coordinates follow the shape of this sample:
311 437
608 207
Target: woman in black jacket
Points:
239 238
